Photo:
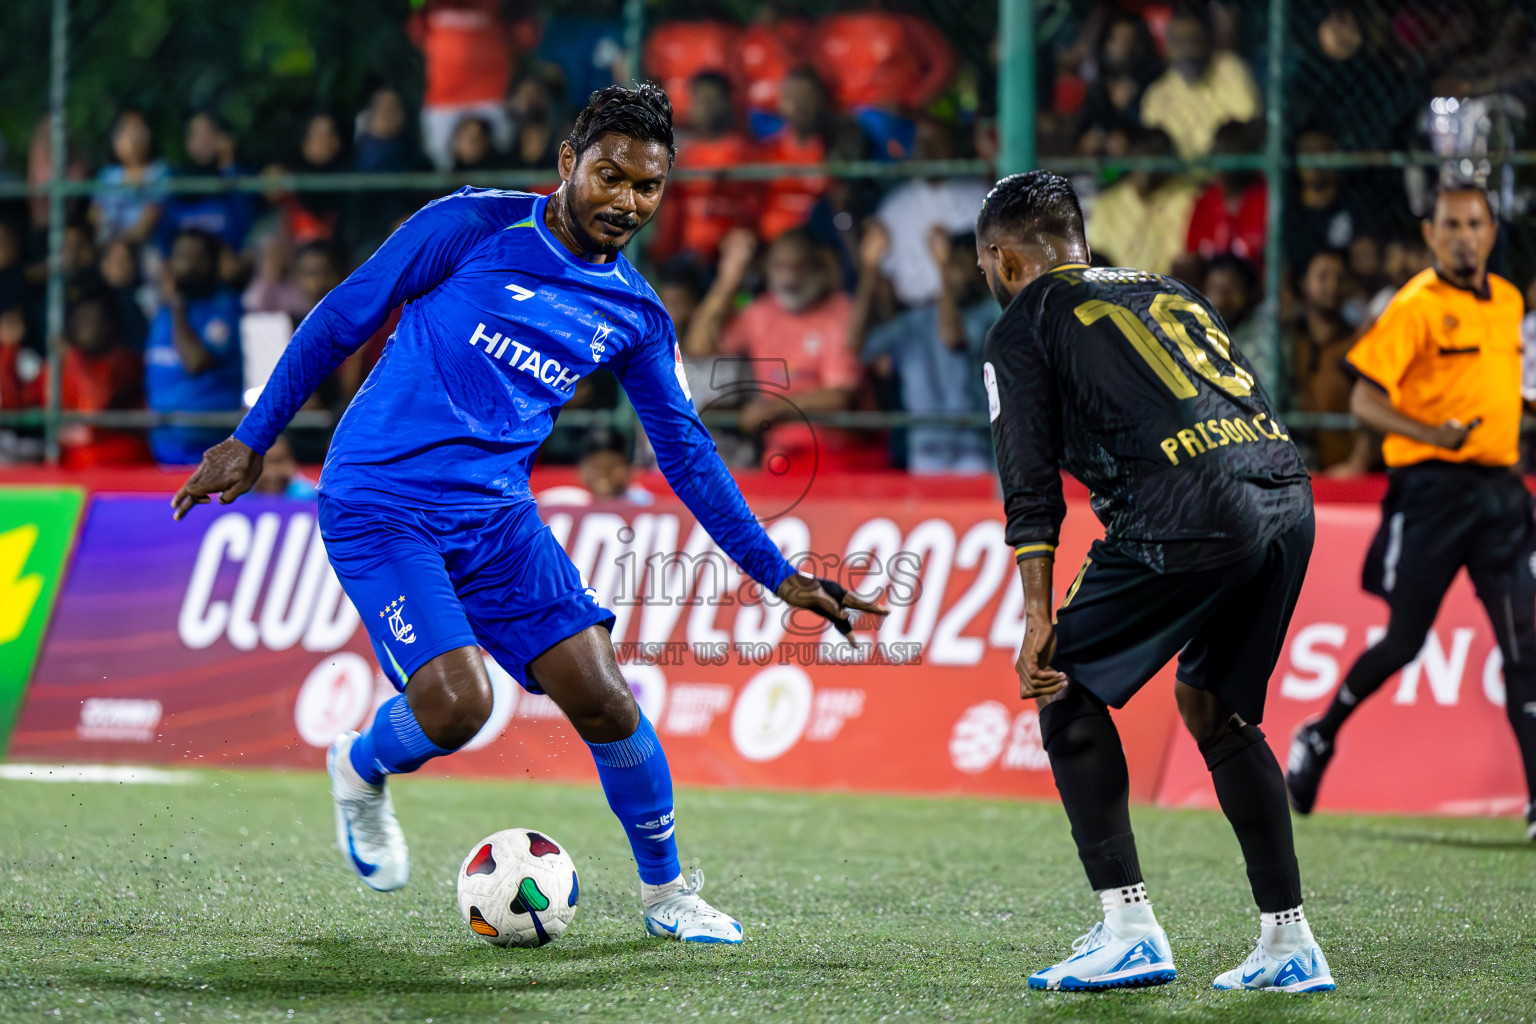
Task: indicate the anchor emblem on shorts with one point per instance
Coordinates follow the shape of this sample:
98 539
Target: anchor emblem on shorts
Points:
404 631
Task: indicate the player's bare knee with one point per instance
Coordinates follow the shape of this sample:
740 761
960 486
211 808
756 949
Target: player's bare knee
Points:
1204 714
604 713
452 698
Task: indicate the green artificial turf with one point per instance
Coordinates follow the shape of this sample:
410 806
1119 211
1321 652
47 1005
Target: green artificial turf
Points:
221 898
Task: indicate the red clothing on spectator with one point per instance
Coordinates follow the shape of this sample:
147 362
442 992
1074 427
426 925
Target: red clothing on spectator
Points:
1214 227
675 51
813 348
468 50
766 53
877 59
91 383
788 201
699 212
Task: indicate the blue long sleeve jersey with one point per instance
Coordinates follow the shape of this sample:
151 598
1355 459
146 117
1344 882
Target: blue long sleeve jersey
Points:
500 323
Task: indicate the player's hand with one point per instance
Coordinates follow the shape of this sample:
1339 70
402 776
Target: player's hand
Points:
228 469
1036 677
736 251
829 599
1452 434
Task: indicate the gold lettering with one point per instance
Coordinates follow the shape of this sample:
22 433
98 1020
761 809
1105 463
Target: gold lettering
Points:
1191 442
1204 436
1169 446
1258 423
1242 429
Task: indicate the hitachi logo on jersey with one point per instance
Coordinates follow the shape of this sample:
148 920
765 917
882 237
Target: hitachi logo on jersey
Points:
529 360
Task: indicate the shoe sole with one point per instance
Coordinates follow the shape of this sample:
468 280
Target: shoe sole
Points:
1140 980
1298 988
707 939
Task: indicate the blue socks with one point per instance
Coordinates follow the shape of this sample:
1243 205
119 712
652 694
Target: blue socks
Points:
396 745
638 785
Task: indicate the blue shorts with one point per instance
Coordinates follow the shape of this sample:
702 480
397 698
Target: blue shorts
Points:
427 581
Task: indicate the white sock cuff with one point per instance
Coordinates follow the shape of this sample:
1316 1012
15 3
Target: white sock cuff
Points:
1125 896
651 893
1284 917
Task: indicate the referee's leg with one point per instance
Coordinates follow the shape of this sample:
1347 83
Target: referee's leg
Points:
1504 573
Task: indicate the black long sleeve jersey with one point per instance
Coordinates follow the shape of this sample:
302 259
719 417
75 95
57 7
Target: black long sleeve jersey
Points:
1127 380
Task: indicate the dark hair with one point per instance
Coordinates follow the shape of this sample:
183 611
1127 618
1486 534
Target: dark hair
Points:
604 439
963 241
211 243
683 270
715 78
322 247
1239 266
1034 203
643 113
800 235
1451 185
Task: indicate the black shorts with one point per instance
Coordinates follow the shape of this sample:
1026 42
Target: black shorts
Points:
1440 516
1121 622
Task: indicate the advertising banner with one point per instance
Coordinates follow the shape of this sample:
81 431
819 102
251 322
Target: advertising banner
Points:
226 639
1433 740
36 527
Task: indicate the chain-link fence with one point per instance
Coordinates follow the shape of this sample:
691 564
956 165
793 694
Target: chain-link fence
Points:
1277 155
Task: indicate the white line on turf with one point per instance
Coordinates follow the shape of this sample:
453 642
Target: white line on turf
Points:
93 773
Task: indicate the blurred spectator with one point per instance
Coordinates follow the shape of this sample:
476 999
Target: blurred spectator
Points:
934 351
226 215
1319 342
879 59
1324 213
699 314
120 276
13 281
914 208
1127 62
99 373
778 40
39 172
469 52
23 357
1230 215
676 52
130 214
1143 219
1232 286
383 143
1201 90
702 210
796 336
292 286
192 356
1404 257
1352 58
585 41
312 216
532 104
606 471
280 476
472 148
808 132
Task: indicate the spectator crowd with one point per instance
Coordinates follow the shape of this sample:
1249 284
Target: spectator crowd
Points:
795 295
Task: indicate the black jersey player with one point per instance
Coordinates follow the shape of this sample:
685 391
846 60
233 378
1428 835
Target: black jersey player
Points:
1128 381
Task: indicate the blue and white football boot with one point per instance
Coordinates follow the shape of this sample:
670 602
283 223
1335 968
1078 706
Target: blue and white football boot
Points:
1304 969
683 915
367 831
1134 954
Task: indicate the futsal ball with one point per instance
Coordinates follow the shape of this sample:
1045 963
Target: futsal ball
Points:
518 887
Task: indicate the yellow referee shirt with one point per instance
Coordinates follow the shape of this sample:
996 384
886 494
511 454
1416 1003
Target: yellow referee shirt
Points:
1442 352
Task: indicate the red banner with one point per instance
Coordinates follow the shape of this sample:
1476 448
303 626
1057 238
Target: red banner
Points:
226 639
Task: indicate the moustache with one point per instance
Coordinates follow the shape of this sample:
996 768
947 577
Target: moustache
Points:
626 221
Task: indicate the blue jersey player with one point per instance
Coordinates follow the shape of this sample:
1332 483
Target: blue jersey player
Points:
509 300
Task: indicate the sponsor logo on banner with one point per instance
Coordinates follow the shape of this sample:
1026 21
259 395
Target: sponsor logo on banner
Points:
36 527
335 698
989 731
119 720
771 713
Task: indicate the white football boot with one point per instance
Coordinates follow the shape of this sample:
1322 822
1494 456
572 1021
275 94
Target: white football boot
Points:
682 915
1122 951
367 831
1302 969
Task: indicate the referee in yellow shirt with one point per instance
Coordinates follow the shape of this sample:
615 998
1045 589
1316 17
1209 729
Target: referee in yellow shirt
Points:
1439 375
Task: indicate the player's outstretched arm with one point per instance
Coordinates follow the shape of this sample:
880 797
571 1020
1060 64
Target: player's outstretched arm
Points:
415 259
653 379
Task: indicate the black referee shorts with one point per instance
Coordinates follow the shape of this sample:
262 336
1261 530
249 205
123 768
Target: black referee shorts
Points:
1121 622
1440 516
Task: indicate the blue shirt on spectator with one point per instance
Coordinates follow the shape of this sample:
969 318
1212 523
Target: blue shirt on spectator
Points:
170 388
120 211
937 378
228 216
